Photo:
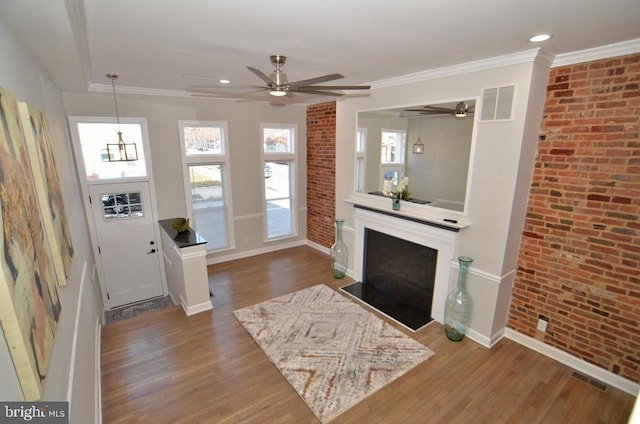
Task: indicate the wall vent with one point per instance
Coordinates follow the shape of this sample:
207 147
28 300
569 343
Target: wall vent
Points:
497 103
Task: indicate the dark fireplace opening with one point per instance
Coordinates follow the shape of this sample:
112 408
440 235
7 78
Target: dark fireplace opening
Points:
398 278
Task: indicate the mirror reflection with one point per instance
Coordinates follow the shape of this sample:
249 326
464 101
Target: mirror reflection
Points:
429 144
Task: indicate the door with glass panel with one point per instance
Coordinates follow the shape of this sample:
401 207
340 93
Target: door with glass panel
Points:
127 241
120 208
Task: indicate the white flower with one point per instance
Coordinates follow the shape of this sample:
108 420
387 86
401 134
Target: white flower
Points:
399 191
386 188
402 185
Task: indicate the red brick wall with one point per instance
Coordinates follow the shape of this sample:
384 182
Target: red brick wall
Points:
579 261
321 172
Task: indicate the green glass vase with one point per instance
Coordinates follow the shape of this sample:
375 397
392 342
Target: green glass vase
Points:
459 305
339 253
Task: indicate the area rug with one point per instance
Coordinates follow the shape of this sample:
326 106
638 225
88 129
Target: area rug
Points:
137 309
332 351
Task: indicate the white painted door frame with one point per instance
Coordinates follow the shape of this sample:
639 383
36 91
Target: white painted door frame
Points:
84 187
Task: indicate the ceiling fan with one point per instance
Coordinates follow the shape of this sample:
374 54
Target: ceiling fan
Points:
460 110
277 84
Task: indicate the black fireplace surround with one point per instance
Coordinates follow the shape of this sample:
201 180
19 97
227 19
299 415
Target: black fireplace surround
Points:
398 278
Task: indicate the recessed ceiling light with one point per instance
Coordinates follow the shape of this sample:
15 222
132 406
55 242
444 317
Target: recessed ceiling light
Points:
539 38
224 81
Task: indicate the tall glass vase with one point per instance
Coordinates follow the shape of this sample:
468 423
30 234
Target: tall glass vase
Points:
458 308
339 253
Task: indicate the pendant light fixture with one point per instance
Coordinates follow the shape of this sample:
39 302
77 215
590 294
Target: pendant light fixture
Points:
418 147
120 151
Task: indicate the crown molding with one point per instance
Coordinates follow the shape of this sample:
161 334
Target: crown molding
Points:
144 91
76 14
123 89
597 53
465 68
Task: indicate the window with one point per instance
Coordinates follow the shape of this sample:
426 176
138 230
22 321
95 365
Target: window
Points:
361 143
278 143
392 147
206 175
122 205
94 137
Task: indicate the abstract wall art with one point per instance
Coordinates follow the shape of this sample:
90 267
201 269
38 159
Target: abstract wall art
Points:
48 190
29 303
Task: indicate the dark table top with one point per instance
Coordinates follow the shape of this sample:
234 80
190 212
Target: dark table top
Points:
184 238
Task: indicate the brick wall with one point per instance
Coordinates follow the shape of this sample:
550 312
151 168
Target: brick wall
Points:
579 261
321 172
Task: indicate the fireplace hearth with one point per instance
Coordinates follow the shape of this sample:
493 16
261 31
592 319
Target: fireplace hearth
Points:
398 278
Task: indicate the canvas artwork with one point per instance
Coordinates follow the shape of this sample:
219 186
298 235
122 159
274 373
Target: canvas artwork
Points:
29 303
47 185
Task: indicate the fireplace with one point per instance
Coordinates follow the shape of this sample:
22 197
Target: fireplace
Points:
398 278
402 264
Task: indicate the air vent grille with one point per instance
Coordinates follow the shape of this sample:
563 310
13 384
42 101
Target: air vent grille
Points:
497 103
594 383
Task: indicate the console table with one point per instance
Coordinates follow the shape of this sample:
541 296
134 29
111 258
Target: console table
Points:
186 267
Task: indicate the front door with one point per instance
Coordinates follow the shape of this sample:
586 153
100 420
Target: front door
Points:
127 237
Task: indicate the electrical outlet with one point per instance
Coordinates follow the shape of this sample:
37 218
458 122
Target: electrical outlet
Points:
542 323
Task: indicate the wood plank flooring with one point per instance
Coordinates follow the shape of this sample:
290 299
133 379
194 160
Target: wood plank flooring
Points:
164 367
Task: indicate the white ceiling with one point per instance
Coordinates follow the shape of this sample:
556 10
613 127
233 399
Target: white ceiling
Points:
152 44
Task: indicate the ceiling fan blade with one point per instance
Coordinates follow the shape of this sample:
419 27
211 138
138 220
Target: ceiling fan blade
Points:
431 111
438 109
261 75
335 87
319 92
316 80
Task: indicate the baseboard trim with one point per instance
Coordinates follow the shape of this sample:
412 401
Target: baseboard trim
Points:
248 253
98 387
578 364
318 247
483 340
74 342
195 309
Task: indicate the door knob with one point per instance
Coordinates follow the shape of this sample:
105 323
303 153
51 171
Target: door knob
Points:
151 251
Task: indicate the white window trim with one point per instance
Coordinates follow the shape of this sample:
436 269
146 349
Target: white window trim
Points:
291 156
209 159
362 156
394 166
73 125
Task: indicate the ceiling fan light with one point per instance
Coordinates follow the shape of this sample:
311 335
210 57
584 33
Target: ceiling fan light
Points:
278 92
461 110
224 81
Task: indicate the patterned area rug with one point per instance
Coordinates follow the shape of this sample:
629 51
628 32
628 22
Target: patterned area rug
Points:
332 351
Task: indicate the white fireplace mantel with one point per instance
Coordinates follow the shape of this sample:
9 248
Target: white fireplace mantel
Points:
441 238
435 216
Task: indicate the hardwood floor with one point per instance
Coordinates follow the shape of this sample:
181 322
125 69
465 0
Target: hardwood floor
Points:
164 367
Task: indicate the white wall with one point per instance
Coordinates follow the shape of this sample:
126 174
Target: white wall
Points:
247 172
441 172
22 75
500 174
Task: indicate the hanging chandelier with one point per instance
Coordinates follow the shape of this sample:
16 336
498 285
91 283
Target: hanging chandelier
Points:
120 151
